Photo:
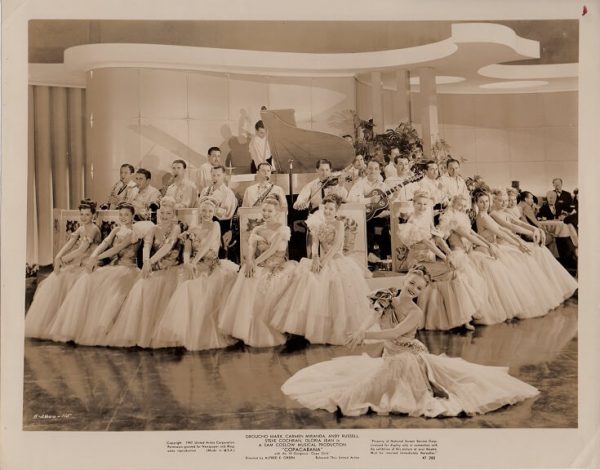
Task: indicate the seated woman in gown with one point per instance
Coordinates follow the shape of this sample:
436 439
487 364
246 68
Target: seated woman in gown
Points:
407 379
328 299
261 282
554 282
146 302
192 315
450 301
68 267
90 308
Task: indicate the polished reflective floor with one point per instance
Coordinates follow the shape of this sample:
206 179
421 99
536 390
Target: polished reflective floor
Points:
86 388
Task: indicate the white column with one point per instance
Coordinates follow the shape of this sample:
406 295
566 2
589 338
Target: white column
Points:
428 109
76 143
60 167
402 97
377 102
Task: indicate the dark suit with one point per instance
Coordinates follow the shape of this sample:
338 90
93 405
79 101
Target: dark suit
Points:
564 202
545 212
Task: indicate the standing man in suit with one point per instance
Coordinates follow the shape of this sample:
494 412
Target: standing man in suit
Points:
564 201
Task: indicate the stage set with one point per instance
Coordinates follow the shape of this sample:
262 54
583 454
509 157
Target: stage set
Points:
454 96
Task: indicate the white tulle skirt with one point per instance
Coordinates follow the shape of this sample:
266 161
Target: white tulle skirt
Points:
501 303
143 308
250 305
48 298
416 384
89 311
324 307
192 315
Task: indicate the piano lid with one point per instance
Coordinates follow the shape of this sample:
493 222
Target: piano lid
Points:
303 146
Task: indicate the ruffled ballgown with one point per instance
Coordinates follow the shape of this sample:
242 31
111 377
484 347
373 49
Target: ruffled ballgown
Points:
553 281
327 306
89 311
487 275
53 290
146 302
192 315
250 305
450 300
406 380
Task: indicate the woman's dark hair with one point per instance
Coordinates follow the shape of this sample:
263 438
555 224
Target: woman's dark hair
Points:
180 161
88 204
259 125
126 205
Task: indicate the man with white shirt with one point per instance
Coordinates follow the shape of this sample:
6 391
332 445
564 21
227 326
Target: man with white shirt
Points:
226 204
452 183
313 193
182 190
204 178
378 228
256 193
125 189
432 185
390 169
259 148
146 194
404 194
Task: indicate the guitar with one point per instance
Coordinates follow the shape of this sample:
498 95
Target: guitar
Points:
382 197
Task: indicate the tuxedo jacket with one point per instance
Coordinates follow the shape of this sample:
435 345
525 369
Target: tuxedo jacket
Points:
564 202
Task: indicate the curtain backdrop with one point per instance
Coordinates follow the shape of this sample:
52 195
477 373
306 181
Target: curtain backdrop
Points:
56 165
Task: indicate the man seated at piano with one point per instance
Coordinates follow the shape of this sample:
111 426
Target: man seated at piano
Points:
404 194
312 193
256 193
182 189
378 227
125 189
146 196
226 206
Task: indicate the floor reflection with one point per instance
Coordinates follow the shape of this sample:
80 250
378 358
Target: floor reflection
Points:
85 388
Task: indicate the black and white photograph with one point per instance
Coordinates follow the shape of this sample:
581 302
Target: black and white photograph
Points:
301 225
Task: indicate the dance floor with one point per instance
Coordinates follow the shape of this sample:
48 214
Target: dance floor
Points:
89 388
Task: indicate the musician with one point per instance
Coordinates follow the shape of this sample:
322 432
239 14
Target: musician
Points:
146 195
204 177
125 189
378 228
564 201
404 194
313 193
390 168
227 203
256 194
453 184
259 148
182 190
433 186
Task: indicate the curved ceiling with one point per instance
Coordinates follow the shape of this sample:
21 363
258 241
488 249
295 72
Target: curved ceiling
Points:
472 53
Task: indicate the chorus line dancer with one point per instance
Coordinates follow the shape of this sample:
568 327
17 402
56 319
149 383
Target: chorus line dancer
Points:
407 378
